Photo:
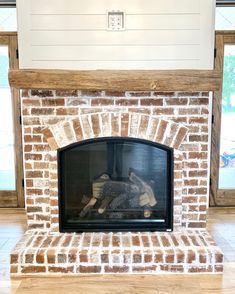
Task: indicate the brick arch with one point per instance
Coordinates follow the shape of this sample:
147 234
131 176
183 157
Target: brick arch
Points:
108 124
123 124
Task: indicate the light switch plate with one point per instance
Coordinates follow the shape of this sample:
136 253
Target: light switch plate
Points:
116 20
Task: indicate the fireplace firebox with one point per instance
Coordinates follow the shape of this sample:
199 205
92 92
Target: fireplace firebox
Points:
115 184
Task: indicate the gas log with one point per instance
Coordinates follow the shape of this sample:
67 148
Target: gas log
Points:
134 193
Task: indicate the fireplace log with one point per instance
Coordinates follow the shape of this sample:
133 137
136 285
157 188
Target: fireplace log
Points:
144 200
117 189
89 205
118 201
98 185
104 204
144 187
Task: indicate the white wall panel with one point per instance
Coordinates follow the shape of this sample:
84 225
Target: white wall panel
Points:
98 6
100 38
98 22
159 34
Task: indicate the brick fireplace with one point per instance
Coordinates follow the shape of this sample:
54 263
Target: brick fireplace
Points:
54 119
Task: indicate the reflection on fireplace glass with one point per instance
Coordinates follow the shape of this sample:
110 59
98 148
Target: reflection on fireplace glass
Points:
111 183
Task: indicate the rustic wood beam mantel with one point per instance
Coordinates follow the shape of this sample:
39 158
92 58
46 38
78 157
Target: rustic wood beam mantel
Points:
117 80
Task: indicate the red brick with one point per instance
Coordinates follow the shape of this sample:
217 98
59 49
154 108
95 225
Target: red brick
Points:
139 110
61 269
151 102
42 93
188 111
32 139
188 94
168 94
219 268
51 256
106 240
200 269
33 269
180 256
202 255
14 269
179 137
155 241
116 269
144 269
66 111
170 137
139 94
197 191
116 241
90 93
52 102
126 102
145 241
172 268
174 240
185 240
198 155
161 131
144 121
124 124
158 256
198 138
169 256
89 269
33 156
105 257
66 93
55 242
198 173
31 209
102 102
42 111
165 241
96 125
127 256
135 240
163 111
137 257
14 258
218 257
40 256
198 101
115 93
67 241
191 256
148 256
176 101
83 255
198 120
196 225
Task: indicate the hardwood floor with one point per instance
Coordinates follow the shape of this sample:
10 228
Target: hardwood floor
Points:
221 224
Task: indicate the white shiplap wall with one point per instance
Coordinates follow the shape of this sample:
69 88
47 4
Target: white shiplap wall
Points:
159 34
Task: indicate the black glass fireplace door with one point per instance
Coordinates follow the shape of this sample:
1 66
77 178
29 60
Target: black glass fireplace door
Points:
115 184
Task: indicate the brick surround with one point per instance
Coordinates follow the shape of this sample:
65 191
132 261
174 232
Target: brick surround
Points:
53 119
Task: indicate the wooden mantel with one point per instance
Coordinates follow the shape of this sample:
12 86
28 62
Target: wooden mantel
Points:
117 80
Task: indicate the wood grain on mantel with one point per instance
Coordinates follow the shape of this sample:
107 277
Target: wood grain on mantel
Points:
117 80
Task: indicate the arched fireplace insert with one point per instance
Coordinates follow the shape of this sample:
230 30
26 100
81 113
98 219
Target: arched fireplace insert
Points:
115 184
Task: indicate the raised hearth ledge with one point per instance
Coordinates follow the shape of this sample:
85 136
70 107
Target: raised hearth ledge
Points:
119 253
117 80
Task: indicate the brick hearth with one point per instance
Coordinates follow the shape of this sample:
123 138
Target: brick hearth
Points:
53 119
185 252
